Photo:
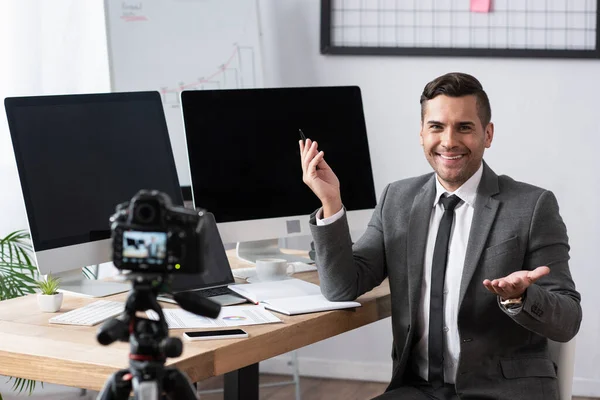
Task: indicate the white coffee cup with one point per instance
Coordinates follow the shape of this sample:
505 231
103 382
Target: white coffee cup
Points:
271 269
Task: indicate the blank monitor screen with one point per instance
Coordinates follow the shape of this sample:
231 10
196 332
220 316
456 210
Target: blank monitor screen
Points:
244 155
80 155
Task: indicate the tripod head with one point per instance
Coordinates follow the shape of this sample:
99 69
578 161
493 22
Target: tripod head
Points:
149 342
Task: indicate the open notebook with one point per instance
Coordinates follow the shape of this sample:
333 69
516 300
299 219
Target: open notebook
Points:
290 296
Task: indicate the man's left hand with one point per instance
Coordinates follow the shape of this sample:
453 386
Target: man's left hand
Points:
515 284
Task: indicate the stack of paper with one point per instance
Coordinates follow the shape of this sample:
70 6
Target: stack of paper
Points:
229 316
290 296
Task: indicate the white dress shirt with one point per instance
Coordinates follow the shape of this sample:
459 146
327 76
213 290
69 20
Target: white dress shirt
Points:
457 249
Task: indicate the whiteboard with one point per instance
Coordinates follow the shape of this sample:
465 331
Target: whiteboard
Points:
521 28
175 45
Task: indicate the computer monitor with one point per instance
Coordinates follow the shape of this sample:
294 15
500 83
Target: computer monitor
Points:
78 156
245 160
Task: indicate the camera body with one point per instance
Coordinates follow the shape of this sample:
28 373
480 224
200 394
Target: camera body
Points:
151 235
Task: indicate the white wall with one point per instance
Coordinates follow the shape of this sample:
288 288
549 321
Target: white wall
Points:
22 60
547 133
47 47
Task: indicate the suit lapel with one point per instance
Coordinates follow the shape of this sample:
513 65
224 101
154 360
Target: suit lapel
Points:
418 228
483 218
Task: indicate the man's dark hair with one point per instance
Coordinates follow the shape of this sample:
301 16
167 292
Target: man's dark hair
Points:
458 84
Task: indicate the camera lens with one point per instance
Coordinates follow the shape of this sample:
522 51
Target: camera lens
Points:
145 213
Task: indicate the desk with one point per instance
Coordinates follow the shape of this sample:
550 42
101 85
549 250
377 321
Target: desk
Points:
69 355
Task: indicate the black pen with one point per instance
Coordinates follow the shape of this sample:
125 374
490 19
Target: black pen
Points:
302 135
303 138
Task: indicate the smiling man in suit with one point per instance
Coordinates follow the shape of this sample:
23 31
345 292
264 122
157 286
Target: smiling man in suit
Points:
477 263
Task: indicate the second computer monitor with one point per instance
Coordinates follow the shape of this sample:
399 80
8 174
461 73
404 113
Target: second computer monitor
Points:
245 159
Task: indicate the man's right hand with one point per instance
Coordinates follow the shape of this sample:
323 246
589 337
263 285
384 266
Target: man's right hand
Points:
319 177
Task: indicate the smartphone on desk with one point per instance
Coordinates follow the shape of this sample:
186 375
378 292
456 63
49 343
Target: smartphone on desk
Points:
220 334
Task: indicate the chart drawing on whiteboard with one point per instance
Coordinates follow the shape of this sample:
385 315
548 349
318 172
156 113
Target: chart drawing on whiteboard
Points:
237 72
174 45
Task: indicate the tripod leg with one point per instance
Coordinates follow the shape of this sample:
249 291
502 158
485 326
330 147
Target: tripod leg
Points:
242 384
115 387
177 386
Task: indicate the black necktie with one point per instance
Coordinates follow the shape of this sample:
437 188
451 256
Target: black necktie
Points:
436 306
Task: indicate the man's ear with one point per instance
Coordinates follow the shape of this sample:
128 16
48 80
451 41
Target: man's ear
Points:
421 134
489 135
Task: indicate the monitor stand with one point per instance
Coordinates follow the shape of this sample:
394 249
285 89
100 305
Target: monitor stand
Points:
259 249
74 282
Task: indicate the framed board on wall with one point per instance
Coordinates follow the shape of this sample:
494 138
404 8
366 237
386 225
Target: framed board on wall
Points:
507 28
175 45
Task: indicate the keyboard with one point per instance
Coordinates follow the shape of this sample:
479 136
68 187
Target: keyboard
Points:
227 296
249 272
91 314
216 291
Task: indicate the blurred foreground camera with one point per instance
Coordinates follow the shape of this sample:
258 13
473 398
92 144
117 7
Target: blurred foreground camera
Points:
153 239
149 234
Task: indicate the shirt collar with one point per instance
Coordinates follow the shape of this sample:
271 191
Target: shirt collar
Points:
467 192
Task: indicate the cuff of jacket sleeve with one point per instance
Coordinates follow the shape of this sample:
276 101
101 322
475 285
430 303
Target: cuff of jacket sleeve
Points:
329 220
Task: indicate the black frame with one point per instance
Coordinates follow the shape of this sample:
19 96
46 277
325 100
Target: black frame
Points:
328 48
189 100
10 103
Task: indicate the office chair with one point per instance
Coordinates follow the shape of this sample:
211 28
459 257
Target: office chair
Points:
563 355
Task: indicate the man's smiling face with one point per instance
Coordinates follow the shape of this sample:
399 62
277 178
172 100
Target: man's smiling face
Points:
454 139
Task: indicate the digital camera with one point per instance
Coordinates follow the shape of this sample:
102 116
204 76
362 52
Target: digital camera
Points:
151 235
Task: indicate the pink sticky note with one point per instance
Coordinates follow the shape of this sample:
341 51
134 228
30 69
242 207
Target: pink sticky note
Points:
482 6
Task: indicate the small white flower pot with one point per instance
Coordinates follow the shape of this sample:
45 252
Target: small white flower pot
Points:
50 302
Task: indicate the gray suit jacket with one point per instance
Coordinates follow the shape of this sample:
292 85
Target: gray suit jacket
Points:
515 226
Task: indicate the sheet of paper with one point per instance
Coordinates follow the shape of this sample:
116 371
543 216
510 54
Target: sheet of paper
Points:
261 291
307 304
229 316
482 6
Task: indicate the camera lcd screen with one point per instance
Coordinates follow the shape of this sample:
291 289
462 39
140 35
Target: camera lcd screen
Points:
144 247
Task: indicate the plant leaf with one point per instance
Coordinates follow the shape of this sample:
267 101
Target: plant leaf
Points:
18 276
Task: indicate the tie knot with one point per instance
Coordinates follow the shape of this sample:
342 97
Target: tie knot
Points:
450 202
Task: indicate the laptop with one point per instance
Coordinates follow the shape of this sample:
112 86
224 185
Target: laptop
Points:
212 282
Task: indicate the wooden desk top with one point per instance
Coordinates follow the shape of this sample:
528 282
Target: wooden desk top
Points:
69 355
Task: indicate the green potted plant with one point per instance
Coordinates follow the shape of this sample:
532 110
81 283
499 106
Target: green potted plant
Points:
49 299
